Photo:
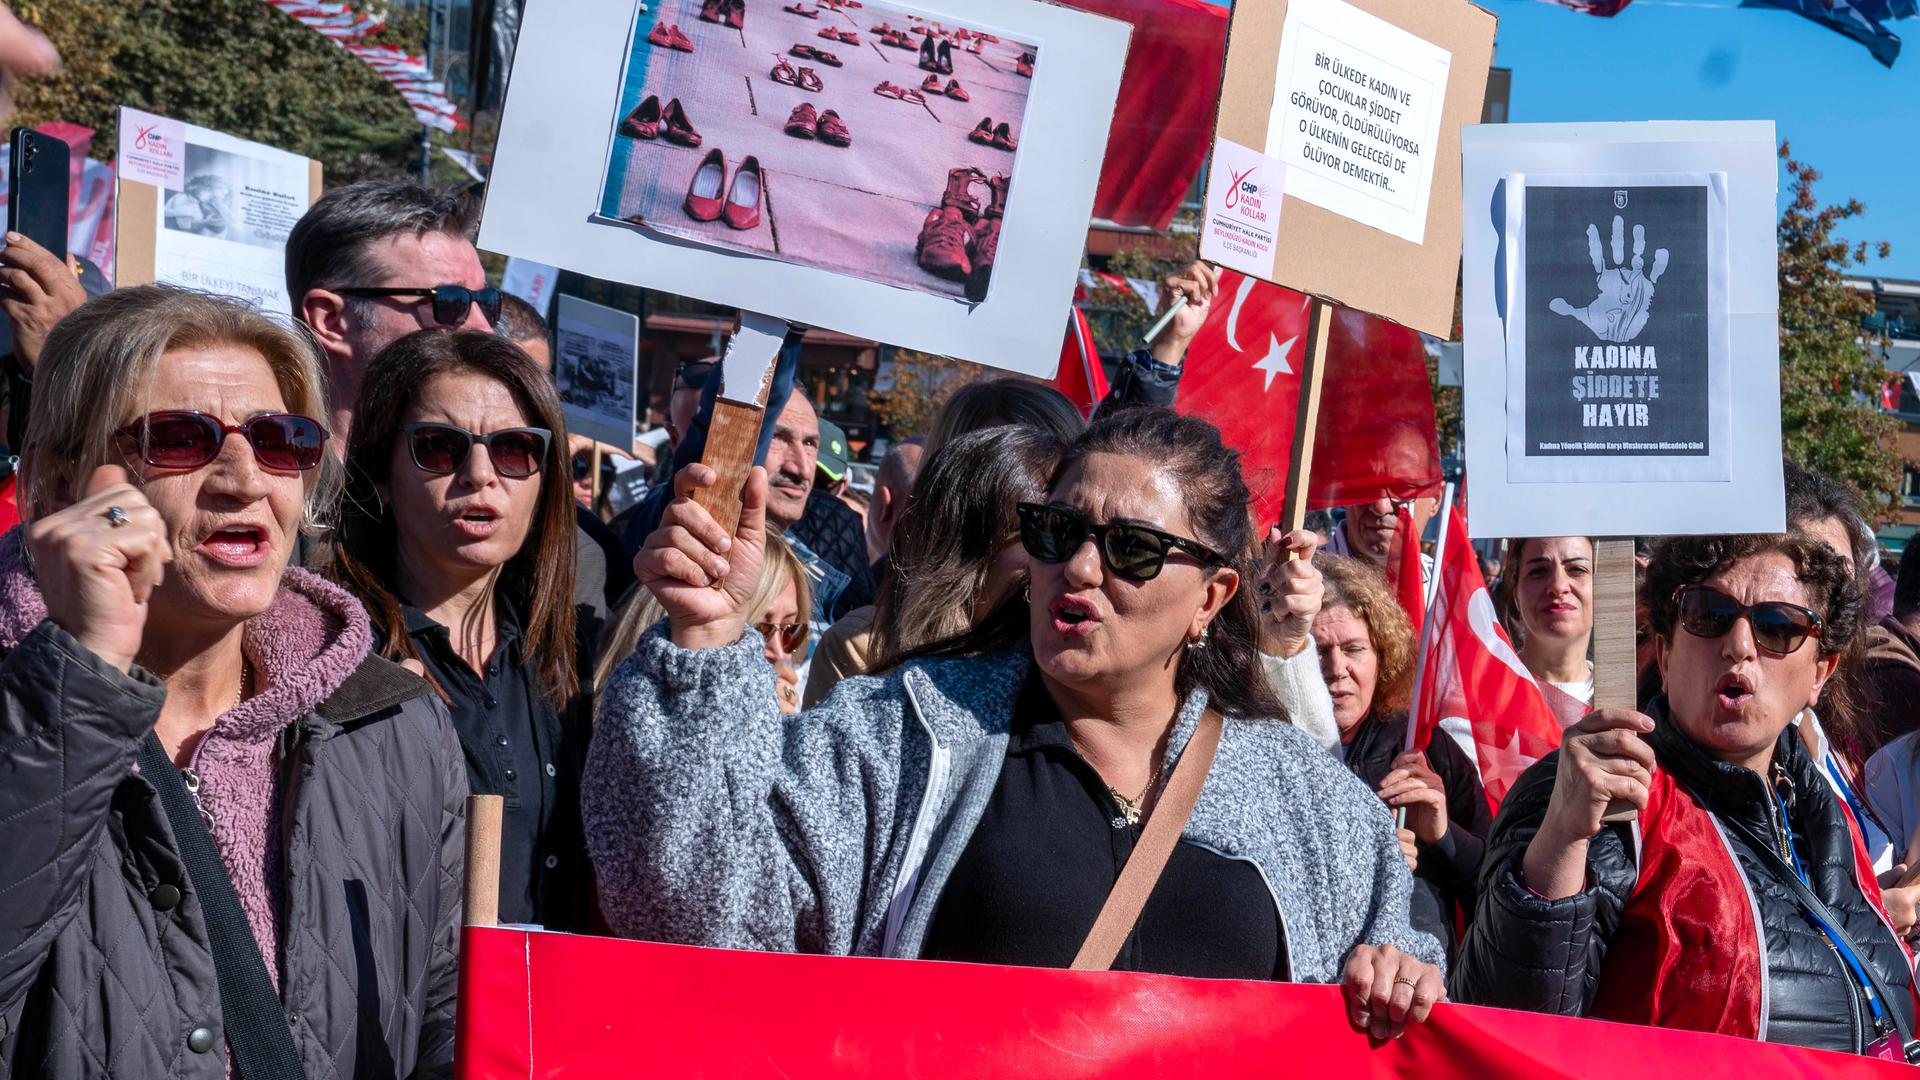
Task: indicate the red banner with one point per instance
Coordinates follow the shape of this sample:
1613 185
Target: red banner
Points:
552 1005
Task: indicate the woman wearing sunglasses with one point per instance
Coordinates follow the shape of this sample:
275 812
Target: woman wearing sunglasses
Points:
777 611
214 792
979 801
1740 901
457 533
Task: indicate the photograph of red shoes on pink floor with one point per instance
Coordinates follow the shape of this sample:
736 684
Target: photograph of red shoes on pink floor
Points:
871 140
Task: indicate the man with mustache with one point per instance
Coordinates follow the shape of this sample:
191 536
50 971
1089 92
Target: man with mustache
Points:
791 459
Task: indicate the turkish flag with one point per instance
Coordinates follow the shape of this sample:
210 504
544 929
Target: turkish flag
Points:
1471 684
1403 569
1243 376
1376 433
1080 376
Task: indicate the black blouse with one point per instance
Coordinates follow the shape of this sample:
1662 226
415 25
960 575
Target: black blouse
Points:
1046 853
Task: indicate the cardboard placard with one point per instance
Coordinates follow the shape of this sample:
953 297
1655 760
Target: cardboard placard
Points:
206 210
1615 274
596 170
1362 101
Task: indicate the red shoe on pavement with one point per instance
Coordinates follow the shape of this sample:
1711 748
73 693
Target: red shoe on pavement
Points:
912 96
680 41
736 13
887 89
986 239
680 129
956 91
982 132
644 121
848 37
829 33
946 58
743 197
929 57
959 194
810 79
796 9
832 131
703 192
661 36
800 123
1024 68
931 85
783 72
942 247
1003 137
713 11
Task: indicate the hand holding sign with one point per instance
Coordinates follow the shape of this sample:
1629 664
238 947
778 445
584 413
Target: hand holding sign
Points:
1620 312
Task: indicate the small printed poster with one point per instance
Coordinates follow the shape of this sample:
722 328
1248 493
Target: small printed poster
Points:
222 208
1356 115
1244 192
597 351
1617 349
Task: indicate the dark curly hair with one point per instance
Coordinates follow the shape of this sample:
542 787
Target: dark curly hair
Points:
1831 590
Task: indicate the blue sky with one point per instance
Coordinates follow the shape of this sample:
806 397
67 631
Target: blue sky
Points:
1858 122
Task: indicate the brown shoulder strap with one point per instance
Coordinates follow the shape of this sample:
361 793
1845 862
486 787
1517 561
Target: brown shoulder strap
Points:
1122 909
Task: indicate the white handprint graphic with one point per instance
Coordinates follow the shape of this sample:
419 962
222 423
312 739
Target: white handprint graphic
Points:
1620 312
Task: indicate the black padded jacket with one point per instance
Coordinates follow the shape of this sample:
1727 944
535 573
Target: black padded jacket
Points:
1524 952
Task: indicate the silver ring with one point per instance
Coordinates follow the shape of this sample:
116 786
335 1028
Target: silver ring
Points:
116 517
1404 981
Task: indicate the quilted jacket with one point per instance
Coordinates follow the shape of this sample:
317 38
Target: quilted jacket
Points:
105 965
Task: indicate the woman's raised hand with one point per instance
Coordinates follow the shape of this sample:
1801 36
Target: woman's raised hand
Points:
1603 759
702 577
1290 593
98 562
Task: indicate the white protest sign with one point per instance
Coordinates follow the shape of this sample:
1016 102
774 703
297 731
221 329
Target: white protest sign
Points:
1356 115
1244 192
1613 273
531 281
597 351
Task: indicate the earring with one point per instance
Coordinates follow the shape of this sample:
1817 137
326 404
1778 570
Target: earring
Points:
1199 642
1026 592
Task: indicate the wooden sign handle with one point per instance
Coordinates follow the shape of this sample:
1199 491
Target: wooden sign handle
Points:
1616 675
732 438
482 895
1306 423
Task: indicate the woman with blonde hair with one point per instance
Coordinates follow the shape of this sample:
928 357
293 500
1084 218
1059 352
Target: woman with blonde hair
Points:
240 794
1367 657
777 610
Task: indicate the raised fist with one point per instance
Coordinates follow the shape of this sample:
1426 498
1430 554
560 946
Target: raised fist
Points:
1620 312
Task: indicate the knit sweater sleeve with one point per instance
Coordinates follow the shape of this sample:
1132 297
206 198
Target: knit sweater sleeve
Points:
711 820
1297 683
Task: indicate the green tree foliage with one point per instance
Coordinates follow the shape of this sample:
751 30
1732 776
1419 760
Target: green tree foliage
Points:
1830 420
239 66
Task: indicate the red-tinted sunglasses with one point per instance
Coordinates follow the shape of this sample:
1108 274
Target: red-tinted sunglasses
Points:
182 439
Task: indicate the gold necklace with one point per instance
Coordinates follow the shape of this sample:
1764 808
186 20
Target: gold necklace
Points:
1130 809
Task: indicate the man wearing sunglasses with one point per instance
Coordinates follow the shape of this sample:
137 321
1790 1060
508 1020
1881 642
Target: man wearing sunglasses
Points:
374 261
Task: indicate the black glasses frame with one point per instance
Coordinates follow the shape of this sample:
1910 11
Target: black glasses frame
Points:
450 302
1734 611
139 431
460 456
1034 536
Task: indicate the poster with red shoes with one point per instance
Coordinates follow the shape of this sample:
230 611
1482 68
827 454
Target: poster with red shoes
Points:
919 172
891 136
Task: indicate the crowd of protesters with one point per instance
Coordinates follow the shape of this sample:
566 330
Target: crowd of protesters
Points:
282 595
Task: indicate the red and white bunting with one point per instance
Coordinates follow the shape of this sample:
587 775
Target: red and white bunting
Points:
408 74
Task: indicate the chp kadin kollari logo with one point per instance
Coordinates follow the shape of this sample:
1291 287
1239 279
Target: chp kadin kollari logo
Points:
1244 196
1617 319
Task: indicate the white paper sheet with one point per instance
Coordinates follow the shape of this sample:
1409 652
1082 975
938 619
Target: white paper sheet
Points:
1356 115
594 368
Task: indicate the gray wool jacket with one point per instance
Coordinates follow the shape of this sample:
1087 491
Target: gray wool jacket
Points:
714 821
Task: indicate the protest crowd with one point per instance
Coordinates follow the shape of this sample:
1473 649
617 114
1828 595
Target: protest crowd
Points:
281 594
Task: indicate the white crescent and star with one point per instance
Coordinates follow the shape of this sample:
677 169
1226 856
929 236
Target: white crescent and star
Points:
1274 363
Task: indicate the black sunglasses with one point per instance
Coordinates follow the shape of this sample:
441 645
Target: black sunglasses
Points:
442 449
450 302
1778 627
182 439
1053 533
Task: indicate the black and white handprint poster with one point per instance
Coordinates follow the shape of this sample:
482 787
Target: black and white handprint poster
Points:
1617 330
